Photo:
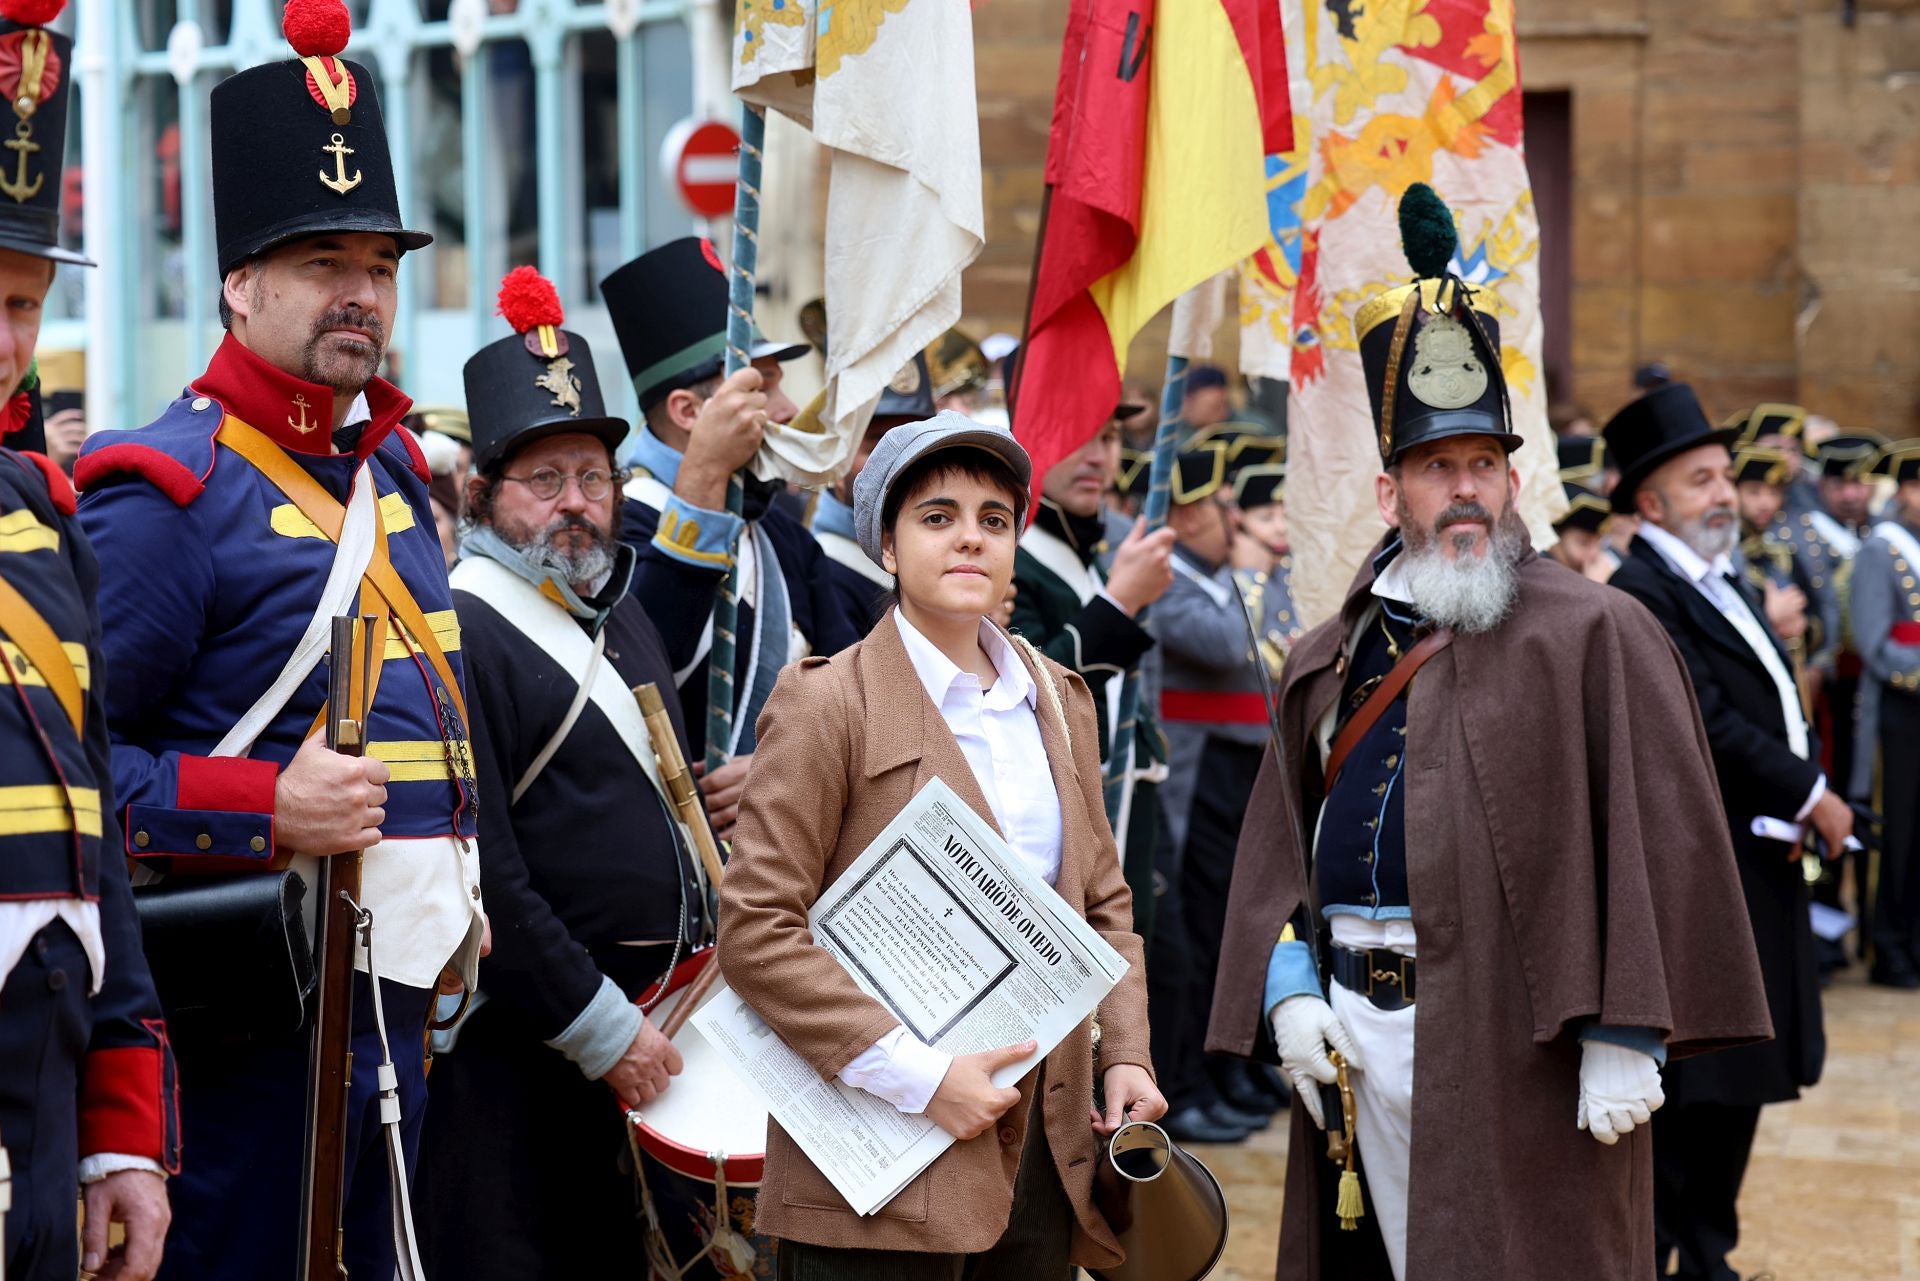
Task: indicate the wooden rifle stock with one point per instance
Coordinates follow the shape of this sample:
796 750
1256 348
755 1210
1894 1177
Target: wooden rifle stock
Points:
330 1062
693 813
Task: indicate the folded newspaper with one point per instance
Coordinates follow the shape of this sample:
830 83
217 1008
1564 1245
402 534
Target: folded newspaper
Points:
941 922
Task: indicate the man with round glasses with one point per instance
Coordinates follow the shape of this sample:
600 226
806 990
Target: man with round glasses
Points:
592 890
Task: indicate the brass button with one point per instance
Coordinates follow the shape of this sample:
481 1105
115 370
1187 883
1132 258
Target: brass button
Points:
1373 824
140 838
1367 899
1380 789
1393 761
200 403
1367 858
257 844
1907 582
20 662
203 842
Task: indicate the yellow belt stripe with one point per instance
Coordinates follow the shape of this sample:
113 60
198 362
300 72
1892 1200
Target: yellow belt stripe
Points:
419 760
289 521
21 531
446 630
30 809
30 675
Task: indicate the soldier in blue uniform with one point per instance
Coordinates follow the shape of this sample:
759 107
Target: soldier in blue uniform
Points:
279 491
863 587
1579 531
1885 616
86 1077
669 310
1263 560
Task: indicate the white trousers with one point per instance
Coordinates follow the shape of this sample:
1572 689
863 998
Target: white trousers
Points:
1383 1107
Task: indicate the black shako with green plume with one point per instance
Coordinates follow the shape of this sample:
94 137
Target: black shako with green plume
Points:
1431 348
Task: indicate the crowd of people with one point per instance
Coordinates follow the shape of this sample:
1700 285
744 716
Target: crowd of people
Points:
1594 859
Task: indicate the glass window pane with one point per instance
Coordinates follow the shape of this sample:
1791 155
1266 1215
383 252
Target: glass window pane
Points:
511 212
438 196
666 92
594 243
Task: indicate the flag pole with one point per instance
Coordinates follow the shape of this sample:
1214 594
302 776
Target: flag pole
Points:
1173 395
746 260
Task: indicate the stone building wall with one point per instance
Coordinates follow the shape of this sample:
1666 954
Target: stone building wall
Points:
1746 192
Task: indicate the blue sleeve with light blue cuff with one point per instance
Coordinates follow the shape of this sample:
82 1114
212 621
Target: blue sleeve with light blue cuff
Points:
697 536
1290 972
1643 1039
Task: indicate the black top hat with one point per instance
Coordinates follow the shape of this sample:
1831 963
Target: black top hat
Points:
910 394
1659 425
1850 456
1199 473
1900 463
538 383
669 310
1431 349
300 147
1260 485
1760 464
1582 458
36 75
1585 509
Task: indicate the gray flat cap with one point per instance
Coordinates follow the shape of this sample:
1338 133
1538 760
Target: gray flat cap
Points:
906 444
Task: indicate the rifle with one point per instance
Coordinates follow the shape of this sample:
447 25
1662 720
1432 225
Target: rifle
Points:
330 1066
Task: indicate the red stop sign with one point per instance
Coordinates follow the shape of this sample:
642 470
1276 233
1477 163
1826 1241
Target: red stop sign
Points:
701 158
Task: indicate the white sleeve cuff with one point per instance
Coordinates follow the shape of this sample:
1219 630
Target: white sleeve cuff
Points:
98 1166
900 1068
1813 799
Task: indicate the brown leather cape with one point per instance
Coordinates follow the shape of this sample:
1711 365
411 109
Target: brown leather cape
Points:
1568 860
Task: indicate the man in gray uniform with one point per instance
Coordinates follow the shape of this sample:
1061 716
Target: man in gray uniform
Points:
1886 633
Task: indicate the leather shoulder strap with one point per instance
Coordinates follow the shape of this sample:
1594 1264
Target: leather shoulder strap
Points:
328 514
24 626
1382 698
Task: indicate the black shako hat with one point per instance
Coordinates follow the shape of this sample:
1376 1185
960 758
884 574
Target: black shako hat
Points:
1260 485
1582 458
669 310
1659 425
538 383
1848 457
300 147
1899 462
910 394
1759 464
1431 349
36 76
1585 509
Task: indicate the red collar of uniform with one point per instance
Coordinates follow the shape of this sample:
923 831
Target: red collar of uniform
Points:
273 401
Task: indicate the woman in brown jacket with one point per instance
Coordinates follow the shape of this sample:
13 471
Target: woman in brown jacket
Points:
936 691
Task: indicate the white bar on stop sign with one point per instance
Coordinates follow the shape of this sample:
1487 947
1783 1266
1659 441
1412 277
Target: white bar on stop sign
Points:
701 171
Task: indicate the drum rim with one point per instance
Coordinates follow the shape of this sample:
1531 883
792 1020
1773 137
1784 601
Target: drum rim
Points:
743 1169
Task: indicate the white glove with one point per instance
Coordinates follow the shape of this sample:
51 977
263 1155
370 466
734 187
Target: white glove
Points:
1619 1089
1303 1027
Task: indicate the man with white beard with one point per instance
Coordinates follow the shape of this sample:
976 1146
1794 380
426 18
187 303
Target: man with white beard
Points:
1677 475
1522 835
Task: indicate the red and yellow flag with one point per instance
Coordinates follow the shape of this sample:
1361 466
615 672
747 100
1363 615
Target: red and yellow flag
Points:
1161 122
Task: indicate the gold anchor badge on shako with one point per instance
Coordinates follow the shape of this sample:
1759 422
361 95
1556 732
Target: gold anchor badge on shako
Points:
303 426
36 75
339 180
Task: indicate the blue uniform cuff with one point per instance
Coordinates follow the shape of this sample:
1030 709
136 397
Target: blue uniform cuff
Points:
696 536
154 830
1643 1039
1290 972
601 1033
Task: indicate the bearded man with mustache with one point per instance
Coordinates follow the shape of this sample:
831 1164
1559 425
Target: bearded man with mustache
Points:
1678 477
593 894
1488 819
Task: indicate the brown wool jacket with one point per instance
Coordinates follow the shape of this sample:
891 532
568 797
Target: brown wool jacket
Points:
844 744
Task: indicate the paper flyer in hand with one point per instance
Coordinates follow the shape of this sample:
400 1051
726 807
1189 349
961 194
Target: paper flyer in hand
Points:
941 922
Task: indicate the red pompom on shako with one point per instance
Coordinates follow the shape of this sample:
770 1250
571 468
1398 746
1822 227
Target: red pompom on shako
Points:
529 300
31 13
532 306
315 28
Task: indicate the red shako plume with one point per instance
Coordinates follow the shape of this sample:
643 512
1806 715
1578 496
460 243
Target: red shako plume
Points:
315 28
528 300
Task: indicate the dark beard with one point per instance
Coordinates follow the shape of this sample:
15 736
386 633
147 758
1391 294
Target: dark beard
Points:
346 373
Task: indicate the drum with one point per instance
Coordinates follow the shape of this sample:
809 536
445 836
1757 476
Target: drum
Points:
698 1152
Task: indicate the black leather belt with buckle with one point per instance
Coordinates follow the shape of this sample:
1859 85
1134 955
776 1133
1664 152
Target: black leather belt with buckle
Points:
1383 977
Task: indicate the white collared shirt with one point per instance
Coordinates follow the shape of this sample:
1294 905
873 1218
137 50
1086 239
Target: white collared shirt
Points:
999 733
1712 580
